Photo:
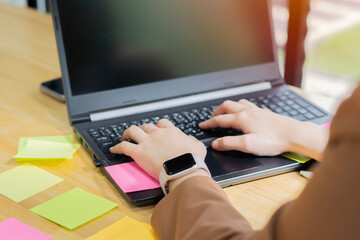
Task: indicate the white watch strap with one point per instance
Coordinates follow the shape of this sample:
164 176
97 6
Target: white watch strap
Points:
163 181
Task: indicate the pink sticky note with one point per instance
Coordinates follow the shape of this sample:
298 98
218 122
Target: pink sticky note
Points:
12 229
327 125
131 178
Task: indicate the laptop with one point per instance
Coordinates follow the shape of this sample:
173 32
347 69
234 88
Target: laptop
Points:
132 62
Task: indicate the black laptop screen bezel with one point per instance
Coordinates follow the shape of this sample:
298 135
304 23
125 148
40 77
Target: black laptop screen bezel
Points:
81 106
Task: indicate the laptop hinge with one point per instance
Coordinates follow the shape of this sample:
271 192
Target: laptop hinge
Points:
277 82
80 119
177 102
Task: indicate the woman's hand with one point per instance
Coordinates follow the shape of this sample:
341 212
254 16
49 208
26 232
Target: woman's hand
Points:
157 144
266 133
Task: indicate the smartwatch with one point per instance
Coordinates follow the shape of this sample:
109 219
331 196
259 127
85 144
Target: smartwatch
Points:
179 167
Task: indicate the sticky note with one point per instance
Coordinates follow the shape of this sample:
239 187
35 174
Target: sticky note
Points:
12 229
327 125
126 229
25 181
74 208
131 178
39 150
60 139
300 158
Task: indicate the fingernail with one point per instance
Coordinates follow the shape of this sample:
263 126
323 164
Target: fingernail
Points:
111 149
215 144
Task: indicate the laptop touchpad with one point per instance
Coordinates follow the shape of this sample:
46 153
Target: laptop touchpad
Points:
222 163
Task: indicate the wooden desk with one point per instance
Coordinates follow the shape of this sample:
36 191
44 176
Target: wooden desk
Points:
28 56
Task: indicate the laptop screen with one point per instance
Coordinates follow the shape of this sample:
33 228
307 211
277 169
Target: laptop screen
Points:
113 44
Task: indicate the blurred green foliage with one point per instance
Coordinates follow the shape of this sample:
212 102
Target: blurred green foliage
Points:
339 53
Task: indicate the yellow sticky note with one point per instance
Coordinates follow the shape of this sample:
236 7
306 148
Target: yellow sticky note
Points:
126 229
60 139
300 158
25 181
39 150
23 141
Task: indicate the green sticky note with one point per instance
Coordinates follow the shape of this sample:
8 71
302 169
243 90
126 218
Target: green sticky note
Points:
74 208
300 158
25 181
38 150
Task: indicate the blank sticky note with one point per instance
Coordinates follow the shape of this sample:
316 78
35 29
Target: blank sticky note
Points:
60 139
74 208
23 141
131 178
300 158
38 149
25 181
12 229
126 229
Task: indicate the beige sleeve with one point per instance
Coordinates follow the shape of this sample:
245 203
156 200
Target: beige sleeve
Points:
198 209
328 208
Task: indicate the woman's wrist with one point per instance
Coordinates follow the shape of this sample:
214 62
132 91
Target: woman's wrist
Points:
308 139
198 172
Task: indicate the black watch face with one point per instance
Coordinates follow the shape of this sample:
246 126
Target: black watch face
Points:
179 164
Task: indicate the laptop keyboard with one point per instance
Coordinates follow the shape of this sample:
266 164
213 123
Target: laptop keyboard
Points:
285 103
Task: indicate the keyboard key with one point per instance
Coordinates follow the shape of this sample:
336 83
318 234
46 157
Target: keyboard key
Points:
102 139
263 106
199 134
266 101
293 113
278 110
316 112
165 117
106 144
299 117
95 134
189 132
309 116
116 140
135 123
276 100
281 104
289 102
292 96
283 98
296 106
105 150
287 108
302 103
118 158
214 107
302 110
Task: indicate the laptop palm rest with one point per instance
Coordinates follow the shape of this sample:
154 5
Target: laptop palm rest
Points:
230 162
221 164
